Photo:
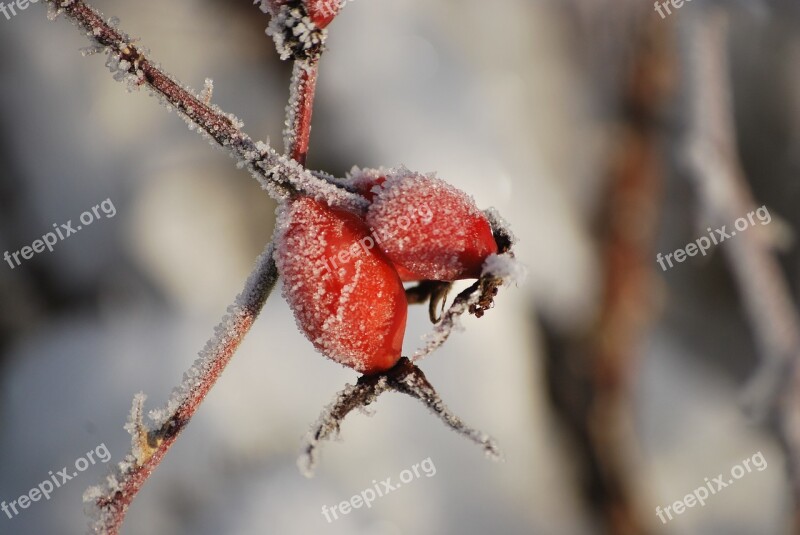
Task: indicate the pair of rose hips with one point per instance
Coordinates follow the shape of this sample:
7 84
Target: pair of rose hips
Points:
343 272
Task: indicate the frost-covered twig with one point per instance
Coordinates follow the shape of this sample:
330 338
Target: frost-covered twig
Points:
298 112
279 175
405 378
150 442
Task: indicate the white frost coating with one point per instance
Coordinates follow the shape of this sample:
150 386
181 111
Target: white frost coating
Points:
324 7
290 30
53 11
136 427
285 170
265 5
499 224
506 267
92 50
271 169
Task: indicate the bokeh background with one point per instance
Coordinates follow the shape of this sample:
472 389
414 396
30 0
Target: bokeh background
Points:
524 104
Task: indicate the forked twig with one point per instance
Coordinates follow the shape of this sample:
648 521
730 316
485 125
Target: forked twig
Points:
405 378
279 175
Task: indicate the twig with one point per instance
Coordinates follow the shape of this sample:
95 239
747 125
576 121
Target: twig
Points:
774 391
150 443
405 378
279 175
298 111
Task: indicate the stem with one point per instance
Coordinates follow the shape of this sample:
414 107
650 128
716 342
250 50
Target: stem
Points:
298 111
149 446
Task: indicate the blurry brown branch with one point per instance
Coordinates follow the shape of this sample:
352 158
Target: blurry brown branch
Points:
150 444
724 193
590 373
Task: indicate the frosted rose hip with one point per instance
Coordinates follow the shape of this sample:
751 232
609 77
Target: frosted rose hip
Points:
429 228
346 297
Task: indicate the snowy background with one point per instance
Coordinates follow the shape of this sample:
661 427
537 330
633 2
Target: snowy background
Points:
498 98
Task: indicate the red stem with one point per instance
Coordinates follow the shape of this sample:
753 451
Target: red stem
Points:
300 108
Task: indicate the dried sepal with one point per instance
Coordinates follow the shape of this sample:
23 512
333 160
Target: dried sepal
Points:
405 378
433 292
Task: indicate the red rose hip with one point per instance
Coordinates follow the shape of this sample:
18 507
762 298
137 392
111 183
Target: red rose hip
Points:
346 296
428 228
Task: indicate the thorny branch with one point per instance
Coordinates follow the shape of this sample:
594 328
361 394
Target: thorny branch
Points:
724 193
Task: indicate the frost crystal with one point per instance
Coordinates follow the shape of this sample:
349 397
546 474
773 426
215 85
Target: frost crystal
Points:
295 35
506 267
207 92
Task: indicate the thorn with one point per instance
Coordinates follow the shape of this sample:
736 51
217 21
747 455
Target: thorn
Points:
207 92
